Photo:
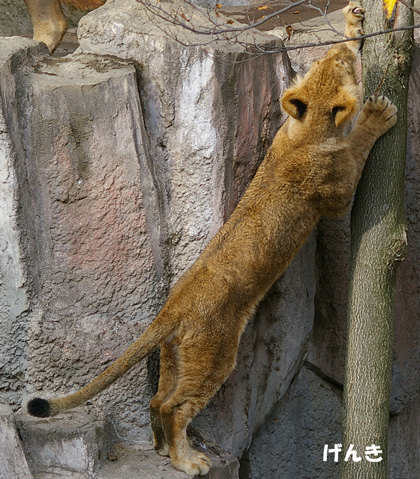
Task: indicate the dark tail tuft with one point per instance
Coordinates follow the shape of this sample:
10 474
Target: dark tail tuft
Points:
39 407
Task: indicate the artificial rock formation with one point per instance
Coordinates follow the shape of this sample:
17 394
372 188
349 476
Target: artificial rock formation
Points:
122 172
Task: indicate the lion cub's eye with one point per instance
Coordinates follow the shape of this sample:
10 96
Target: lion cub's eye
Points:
336 109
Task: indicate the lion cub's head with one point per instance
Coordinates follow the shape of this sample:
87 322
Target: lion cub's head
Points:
326 99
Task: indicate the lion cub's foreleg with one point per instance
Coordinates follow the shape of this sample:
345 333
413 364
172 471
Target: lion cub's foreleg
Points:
376 118
378 115
354 15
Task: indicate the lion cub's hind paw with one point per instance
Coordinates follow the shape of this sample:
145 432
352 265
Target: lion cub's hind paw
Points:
163 450
195 464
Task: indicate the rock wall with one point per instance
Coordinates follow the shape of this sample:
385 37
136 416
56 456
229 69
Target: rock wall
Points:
209 126
122 173
87 256
117 165
15 294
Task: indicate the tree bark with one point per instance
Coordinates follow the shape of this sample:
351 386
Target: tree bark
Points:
378 240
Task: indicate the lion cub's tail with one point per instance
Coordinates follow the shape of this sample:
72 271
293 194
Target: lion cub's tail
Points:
157 331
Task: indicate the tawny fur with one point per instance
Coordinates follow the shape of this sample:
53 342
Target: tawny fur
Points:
311 170
48 21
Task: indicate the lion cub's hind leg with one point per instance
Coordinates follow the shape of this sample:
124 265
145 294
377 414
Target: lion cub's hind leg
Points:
202 371
176 415
168 381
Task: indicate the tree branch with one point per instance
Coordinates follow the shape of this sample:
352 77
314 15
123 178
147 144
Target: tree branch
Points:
217 31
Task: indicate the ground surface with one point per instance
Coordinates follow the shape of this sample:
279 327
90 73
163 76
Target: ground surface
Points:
298 16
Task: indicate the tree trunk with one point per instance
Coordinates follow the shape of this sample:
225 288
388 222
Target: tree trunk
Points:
378 243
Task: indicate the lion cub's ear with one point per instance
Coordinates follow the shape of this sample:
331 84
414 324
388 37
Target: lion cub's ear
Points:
293 103
345 107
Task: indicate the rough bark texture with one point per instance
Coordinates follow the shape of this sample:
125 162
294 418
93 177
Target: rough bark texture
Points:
378 245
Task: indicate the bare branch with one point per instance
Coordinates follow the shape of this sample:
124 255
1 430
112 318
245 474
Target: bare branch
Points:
410 7
220 28
217 27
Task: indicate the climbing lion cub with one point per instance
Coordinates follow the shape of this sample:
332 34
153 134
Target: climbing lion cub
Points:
311 170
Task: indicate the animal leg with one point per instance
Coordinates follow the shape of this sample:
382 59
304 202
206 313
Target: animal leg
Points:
354 15
378 115
48 21
176 414
200 376
168 380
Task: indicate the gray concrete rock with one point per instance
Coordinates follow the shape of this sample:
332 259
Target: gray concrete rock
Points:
291 442
406 371
77 445
404 442
80 215
210 111
202 160
12 458
14 18
72 442
133 462
78 137
16 55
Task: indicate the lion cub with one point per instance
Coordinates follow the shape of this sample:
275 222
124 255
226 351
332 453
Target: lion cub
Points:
311 170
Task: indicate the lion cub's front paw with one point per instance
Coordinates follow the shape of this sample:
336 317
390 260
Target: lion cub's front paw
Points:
354 15
355 9
379 113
